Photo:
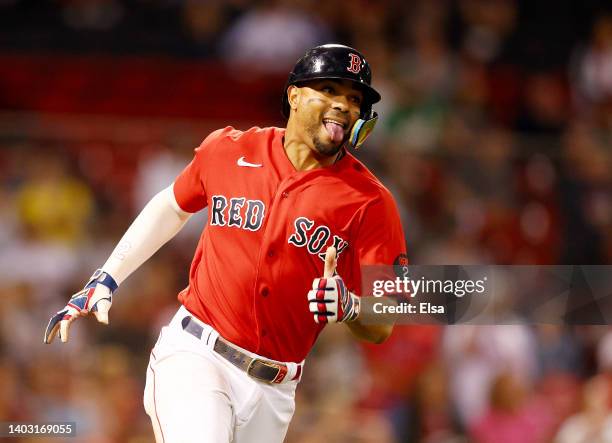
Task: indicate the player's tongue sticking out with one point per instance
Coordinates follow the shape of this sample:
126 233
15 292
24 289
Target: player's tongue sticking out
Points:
335 131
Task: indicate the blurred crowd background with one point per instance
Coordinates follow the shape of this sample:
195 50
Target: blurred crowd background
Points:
495 138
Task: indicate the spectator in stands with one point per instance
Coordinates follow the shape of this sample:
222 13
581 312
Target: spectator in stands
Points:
54 206
512 415
594 423
270 37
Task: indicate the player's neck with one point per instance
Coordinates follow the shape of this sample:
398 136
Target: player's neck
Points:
302 156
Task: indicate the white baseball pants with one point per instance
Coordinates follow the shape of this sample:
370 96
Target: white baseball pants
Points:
192 394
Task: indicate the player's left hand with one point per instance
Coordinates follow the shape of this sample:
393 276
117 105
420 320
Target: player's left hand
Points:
330 301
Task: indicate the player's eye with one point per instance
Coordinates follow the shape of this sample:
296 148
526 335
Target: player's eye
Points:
328 90
355 99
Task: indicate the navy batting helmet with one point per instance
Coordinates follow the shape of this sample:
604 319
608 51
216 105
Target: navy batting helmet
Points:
338 62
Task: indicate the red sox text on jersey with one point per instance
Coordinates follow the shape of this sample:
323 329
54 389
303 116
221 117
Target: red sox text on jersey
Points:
227 212
269 226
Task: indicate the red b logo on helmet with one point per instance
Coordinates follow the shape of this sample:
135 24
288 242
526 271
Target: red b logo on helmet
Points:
354 64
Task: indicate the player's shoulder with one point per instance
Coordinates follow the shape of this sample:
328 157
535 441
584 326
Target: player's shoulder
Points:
360 176
229 133
229 136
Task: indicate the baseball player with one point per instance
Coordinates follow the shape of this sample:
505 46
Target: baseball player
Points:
293 217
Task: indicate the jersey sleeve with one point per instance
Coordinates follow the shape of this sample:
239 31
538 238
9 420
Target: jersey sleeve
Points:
380 239
189 186
380 245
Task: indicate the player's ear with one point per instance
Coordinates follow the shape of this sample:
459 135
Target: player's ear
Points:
293 95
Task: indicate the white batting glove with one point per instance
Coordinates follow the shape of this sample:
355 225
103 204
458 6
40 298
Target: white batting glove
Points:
96 297
330 301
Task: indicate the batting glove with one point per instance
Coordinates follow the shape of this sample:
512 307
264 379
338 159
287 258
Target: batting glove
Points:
96 297
331 302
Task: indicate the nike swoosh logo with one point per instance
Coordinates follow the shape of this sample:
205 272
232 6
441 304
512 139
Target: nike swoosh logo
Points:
242 162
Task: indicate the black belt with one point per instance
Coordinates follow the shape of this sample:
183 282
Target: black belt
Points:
258 368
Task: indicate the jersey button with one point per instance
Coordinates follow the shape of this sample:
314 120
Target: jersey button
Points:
285 194
271 253
265 292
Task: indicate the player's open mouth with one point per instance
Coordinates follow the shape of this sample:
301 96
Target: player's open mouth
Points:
335 129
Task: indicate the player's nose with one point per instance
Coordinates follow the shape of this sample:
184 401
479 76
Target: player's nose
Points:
340 103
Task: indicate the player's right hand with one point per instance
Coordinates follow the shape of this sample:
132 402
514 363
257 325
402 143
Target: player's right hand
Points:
96 297
329 300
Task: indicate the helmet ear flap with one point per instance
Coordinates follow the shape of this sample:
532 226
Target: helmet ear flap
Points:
362 129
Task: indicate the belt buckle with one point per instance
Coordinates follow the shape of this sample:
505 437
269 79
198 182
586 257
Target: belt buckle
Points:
280 374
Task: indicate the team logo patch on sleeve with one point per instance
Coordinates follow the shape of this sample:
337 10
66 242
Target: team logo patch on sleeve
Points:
400 265
401 260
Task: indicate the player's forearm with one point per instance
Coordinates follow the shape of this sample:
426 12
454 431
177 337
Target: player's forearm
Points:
372 333
159 221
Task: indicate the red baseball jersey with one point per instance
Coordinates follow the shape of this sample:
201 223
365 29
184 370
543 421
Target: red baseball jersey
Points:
269 226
